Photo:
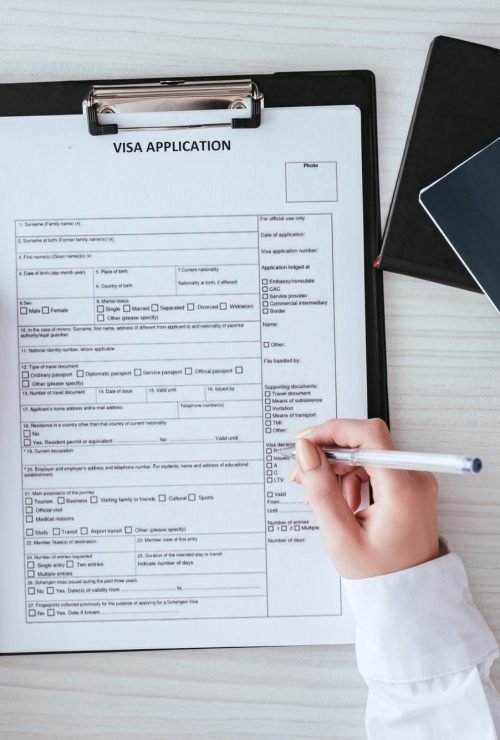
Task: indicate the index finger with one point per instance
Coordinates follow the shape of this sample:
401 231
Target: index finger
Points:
371 434
364 433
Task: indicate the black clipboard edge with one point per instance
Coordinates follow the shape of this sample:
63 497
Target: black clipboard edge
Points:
376 353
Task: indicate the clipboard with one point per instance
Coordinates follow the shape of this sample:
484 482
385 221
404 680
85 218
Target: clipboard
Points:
107 108
281 89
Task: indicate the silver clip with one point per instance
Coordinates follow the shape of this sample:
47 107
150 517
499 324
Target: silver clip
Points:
173 95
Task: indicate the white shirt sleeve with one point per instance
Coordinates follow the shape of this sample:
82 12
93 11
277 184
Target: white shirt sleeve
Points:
425 652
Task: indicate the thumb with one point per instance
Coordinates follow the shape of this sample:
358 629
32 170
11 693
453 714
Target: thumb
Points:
321 488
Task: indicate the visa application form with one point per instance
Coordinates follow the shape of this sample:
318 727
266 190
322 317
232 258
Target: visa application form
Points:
174 307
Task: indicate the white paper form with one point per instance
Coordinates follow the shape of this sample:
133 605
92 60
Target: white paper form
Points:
174 307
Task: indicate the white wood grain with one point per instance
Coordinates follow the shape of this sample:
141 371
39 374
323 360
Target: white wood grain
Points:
443 359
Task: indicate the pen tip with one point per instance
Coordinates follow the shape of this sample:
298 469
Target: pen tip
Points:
476 465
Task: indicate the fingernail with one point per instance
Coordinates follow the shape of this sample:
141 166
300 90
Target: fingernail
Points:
304 432
306 502
293 476
307 455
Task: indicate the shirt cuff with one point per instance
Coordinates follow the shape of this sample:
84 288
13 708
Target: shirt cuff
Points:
418 623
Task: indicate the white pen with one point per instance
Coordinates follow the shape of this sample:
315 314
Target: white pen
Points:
432 462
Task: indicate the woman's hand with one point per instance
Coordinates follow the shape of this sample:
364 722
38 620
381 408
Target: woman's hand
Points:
398 531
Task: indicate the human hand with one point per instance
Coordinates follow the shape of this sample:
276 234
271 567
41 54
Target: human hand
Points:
398 531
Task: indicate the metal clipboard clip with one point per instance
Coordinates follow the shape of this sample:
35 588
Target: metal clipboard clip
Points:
177 96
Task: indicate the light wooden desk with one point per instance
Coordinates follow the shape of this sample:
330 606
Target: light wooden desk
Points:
443 359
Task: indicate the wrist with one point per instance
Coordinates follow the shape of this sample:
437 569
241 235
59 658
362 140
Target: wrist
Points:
400 617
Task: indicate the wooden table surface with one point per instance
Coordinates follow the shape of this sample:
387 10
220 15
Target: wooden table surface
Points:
443 359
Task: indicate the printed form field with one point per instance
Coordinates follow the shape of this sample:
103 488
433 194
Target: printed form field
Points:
164 361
